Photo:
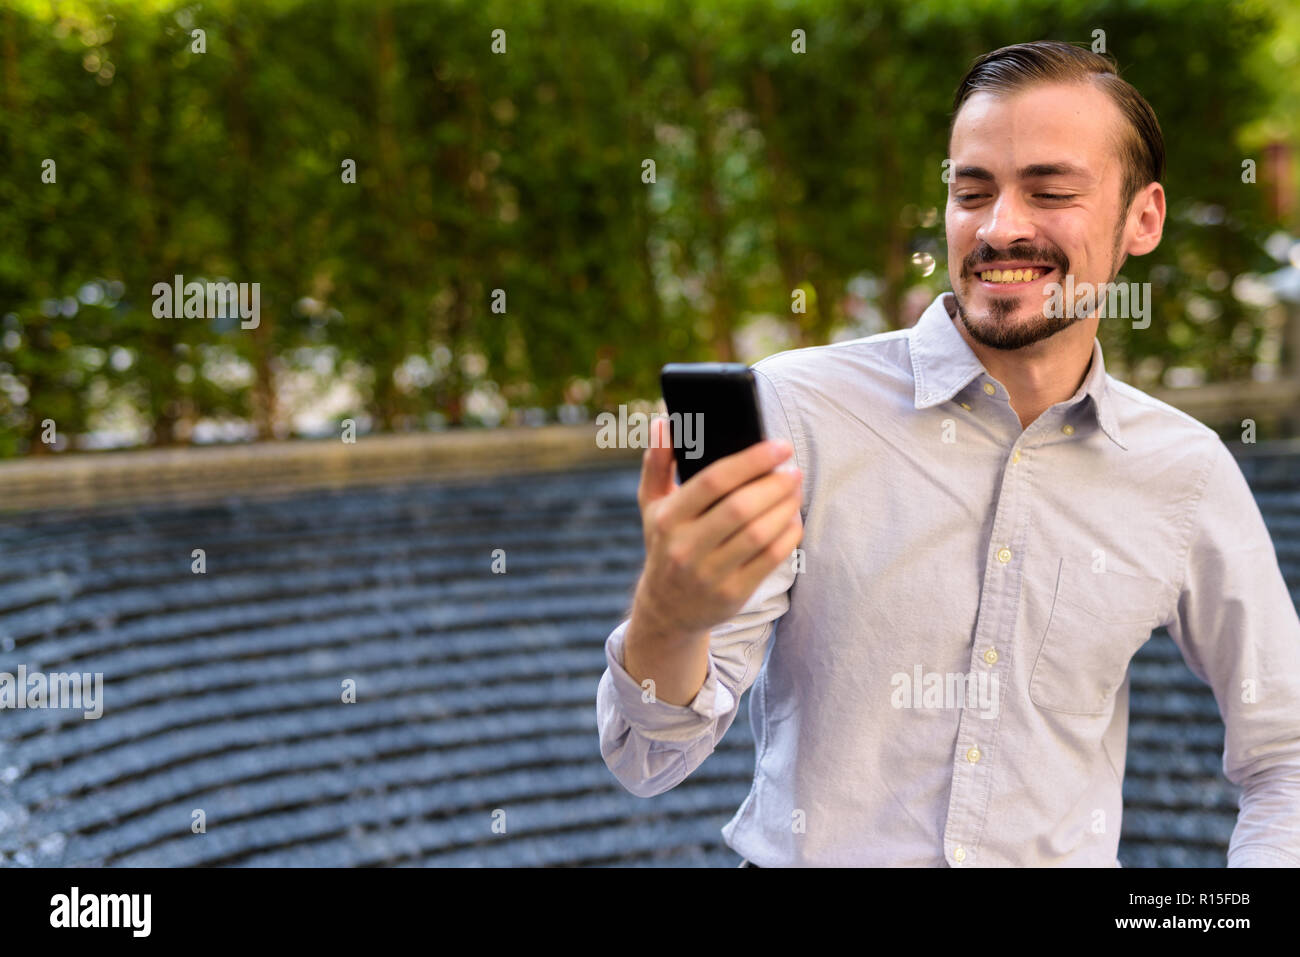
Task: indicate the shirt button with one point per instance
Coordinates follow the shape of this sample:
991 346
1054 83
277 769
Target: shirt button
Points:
1004 555
1015 456
966 406
991 656
1068 429
959 854
973 755
989 388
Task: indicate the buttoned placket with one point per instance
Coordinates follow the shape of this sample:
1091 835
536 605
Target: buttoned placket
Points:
993 648
995 638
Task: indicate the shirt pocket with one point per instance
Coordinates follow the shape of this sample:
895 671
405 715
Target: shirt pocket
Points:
1098 622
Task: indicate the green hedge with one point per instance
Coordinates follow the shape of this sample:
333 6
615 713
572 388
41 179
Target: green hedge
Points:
522 172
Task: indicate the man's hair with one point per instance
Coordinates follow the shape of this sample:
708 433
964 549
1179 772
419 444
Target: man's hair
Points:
1141 145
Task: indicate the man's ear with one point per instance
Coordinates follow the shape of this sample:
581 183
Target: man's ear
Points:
1148 213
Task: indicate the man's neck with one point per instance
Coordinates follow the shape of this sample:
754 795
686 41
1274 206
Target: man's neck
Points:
1039 375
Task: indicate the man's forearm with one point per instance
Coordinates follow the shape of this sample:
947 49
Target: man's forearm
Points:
676 663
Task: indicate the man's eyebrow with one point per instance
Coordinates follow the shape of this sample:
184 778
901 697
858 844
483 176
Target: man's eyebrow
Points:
1033 171
1036 170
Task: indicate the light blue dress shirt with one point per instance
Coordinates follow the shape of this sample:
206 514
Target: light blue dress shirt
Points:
940 671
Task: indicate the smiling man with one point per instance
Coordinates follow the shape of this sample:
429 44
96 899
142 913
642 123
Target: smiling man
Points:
1056 164
991 527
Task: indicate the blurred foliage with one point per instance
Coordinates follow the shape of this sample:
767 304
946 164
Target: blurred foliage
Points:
522 171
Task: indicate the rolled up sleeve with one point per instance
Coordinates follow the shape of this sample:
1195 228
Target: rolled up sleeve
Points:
651 745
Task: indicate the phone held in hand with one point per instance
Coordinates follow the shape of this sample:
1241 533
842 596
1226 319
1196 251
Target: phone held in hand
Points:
713 411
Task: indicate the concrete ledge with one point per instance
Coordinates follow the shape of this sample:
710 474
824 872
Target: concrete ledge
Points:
270 468
1276 448
211 473
1224 401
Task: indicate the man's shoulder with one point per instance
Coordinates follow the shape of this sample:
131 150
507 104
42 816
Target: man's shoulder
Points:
1157 419
1166 438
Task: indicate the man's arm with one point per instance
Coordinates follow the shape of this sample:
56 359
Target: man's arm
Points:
672 683
1237 629
650 745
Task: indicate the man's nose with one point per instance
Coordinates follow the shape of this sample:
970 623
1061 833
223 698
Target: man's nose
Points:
1009 221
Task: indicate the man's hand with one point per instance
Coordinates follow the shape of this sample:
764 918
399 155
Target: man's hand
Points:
711 541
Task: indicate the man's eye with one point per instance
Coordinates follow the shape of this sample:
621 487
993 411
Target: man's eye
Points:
1056 195
969 196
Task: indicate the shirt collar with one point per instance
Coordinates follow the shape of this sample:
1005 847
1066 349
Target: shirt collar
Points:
943 364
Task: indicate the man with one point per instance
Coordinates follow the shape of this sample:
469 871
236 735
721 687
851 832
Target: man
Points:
991 527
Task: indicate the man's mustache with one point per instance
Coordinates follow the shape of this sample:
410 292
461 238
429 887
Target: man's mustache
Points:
987 254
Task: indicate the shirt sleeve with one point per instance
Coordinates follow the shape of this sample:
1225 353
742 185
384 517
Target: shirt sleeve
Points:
651 745
1237 628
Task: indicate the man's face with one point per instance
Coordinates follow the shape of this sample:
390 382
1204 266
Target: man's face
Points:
1035 187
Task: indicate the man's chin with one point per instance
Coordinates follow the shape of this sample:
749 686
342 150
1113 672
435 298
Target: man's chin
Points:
1008 324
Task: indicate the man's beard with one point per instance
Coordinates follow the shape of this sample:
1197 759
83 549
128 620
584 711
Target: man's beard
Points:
997 331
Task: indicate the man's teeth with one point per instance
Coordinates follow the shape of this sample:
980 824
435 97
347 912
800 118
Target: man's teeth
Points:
1012 275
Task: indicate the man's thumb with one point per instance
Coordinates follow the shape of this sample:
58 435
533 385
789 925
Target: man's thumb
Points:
658 463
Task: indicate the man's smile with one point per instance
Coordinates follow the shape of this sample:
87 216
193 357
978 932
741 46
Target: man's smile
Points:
1008 278
1012 277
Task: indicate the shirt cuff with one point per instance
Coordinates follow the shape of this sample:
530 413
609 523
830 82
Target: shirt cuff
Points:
659 720
1261 855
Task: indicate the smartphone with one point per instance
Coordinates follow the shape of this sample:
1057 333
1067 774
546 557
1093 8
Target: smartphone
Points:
713 411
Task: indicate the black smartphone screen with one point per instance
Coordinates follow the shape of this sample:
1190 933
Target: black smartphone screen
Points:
713 411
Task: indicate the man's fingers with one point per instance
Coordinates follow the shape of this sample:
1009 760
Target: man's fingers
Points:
728 518
729 473
779 550
750 541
